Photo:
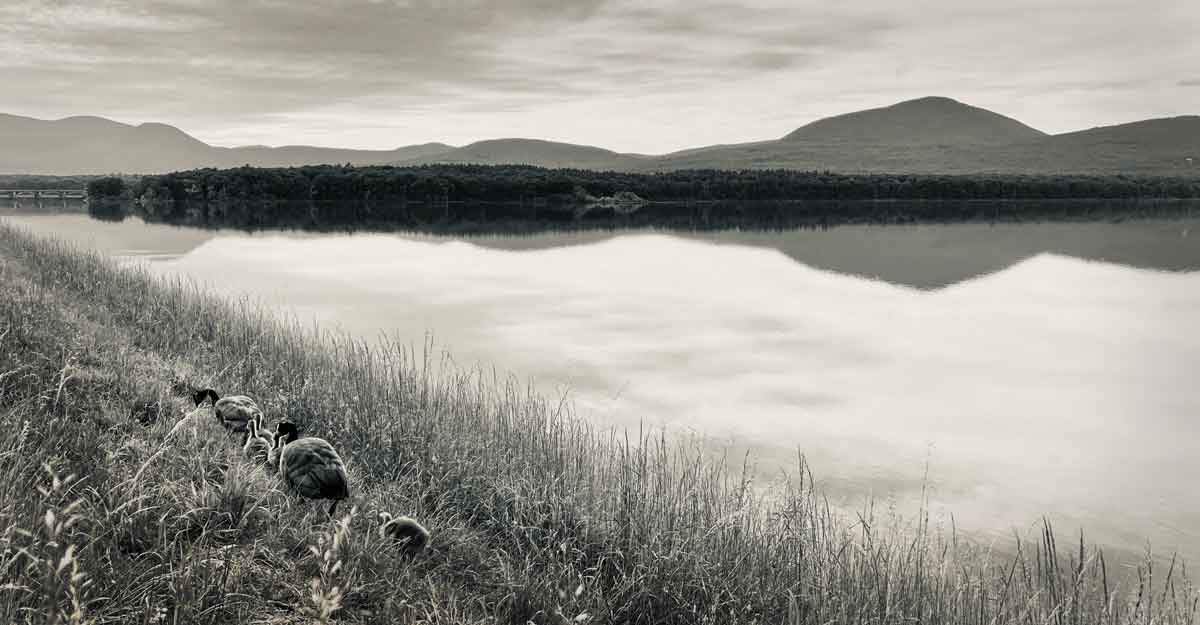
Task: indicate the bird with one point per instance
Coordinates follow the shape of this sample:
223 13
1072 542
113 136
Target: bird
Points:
310 466
404 531
257 447
233 411
276 449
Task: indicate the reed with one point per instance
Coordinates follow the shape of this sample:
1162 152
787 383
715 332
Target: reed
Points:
537 516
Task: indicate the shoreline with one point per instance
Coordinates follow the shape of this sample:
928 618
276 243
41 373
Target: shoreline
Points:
766 215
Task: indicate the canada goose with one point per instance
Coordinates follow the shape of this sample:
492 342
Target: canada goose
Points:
276 449
311 466
233 411
257 447
404 531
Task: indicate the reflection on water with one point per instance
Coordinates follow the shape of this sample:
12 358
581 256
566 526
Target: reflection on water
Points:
1030 377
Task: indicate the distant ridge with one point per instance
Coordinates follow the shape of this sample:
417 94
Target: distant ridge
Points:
1166 133
296 155
535 152
926 135
95 145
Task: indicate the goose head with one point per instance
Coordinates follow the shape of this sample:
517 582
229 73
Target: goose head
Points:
201 395
288 431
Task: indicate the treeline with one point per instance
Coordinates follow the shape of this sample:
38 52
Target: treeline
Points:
471 198
17 181
518 183
107 188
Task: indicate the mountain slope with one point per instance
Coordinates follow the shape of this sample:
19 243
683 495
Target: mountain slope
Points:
88 145
1161 143
94 145
1149 147
924 121
296 155
960 139
1150 134
534 152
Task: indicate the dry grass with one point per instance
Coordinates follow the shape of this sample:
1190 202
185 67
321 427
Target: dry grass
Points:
536 517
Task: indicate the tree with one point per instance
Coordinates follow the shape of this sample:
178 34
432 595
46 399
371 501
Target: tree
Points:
110 187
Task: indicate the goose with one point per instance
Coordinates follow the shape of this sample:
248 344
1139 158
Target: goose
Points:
276 449
403 530
233 411
257 447
310 466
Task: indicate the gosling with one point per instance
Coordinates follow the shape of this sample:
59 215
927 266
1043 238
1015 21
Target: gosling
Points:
257 448
405 531
310 466
233 412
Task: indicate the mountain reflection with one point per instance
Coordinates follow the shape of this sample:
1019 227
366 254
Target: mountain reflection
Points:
924 256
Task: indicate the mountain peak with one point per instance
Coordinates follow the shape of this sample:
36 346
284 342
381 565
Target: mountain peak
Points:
931 120
537 152
534 144
931 100
91 121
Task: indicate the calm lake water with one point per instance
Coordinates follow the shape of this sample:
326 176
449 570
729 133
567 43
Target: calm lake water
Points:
1027 369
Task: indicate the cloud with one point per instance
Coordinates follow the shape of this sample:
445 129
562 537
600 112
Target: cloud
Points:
270 56
637 75
772 60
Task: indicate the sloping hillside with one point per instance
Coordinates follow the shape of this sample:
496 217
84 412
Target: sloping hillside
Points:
94 145
535 152
865 143
297 155
925 121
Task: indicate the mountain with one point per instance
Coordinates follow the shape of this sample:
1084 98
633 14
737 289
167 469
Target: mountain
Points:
94 145
929 259
932 135
534 152
296 155
924 121
90 145
925 135
943 136
1150 146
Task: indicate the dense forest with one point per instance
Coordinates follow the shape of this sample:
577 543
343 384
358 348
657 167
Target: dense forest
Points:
507 183
479 197
31 182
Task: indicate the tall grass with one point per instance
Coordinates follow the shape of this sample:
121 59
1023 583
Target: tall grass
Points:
537 516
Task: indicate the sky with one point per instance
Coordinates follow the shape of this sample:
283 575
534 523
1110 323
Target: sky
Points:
642 76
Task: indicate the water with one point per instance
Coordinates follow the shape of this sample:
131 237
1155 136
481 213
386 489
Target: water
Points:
1016 370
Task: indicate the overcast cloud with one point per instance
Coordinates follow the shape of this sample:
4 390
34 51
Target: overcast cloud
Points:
629 75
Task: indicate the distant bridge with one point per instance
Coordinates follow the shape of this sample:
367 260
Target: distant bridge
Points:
43 193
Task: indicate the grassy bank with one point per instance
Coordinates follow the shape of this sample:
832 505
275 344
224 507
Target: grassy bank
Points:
536 516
